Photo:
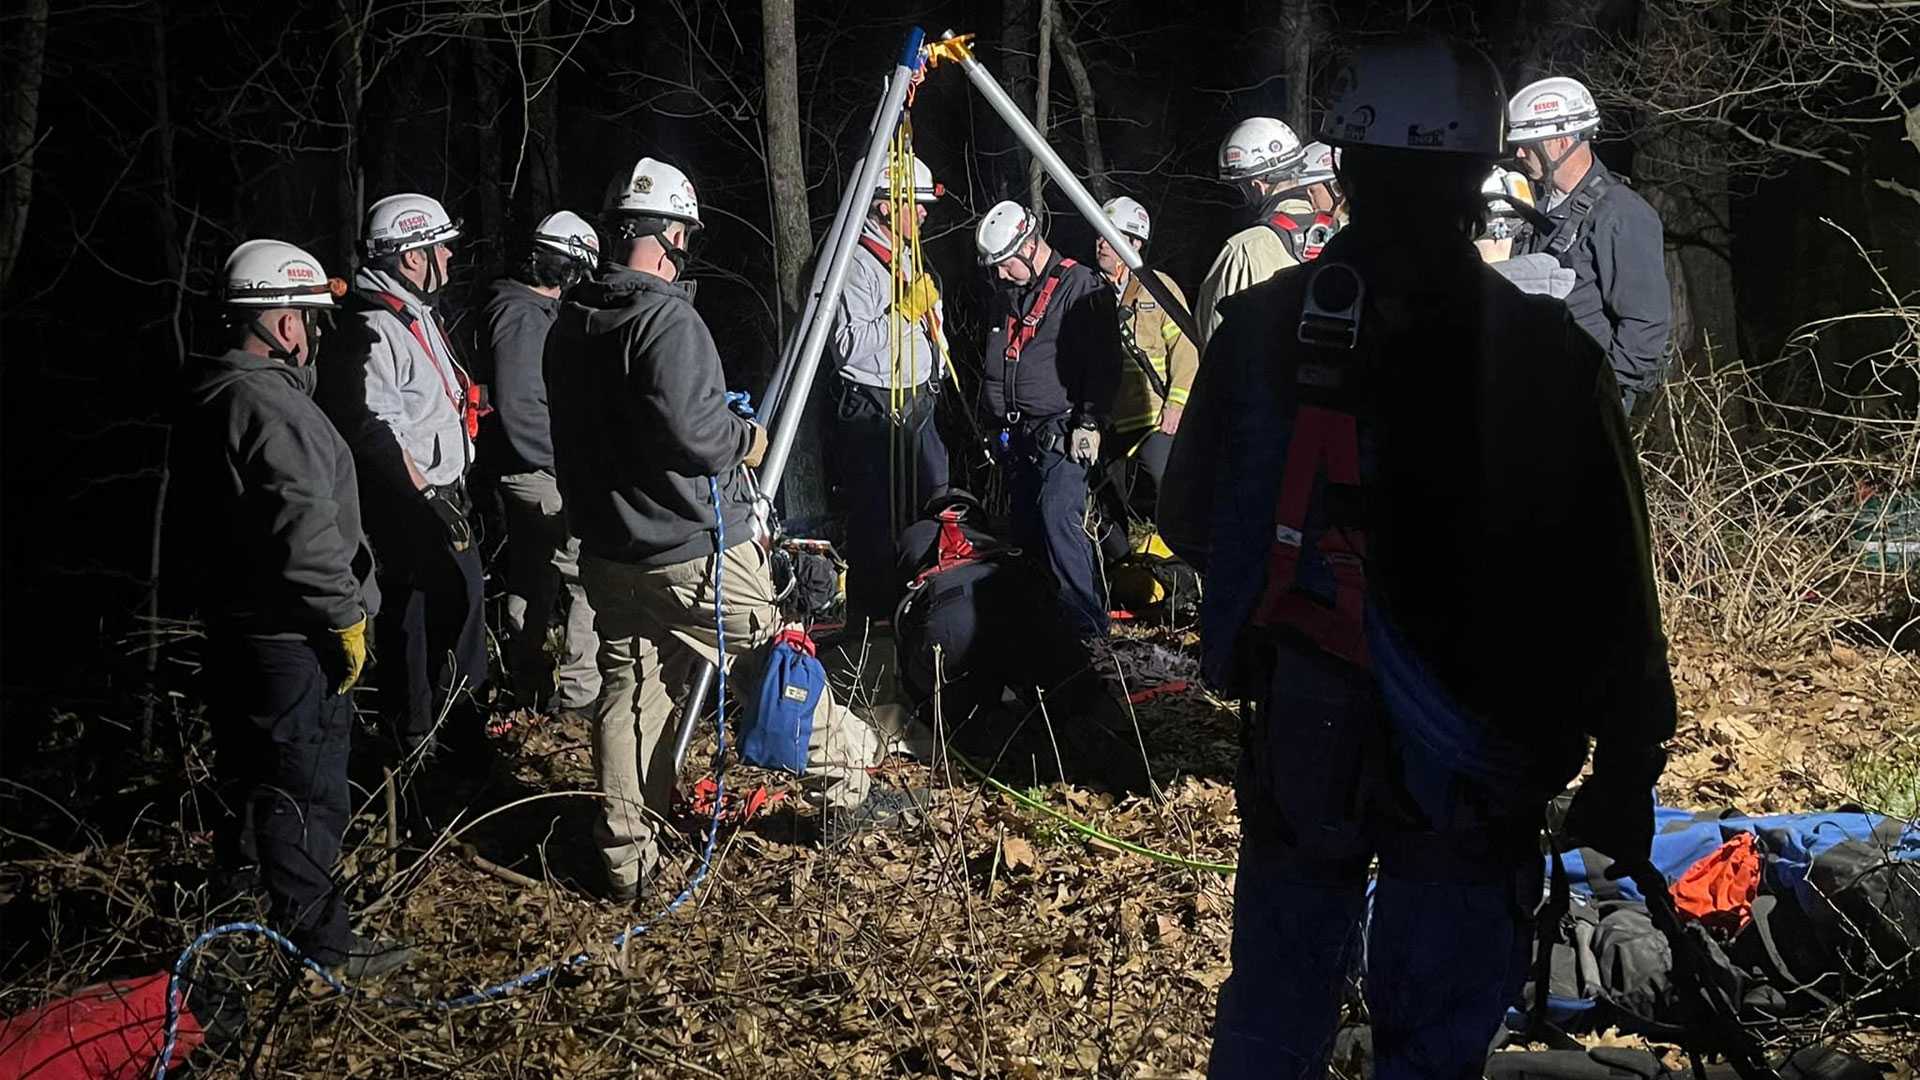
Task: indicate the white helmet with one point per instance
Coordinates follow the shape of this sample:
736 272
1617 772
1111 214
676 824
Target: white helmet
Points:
1129 217
924 188
1259 146
569 234
274 274
1503 188
1419 92
1001 233
656 189
400 223
1551 108
1319 165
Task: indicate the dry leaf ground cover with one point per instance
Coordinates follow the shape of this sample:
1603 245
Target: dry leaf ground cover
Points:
987 940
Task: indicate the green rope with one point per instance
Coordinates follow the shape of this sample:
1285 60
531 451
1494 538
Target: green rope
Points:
1031 803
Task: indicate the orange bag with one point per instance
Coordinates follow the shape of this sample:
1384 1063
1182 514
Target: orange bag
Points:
1719 889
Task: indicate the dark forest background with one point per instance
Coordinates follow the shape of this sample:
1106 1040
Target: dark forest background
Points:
1781 141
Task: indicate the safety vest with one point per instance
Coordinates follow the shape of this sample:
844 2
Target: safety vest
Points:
1305 236
1322 468
467 397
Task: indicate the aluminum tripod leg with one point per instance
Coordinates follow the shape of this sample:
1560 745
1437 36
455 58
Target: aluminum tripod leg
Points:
814 339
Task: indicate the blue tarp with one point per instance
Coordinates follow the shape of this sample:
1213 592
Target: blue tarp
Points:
1790 843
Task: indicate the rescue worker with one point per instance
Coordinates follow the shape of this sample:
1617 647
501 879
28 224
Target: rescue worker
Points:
1602 230
516 447
648 453
285 591
1146 409
888 338
407 408
1262 158
1386 455
1320 178
1050 370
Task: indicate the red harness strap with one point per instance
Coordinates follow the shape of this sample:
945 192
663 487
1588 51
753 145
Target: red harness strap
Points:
1022 330
468 402
1324 443
877 249
795 637
1305 242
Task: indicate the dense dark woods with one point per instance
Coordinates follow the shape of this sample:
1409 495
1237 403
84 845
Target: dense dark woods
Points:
142 140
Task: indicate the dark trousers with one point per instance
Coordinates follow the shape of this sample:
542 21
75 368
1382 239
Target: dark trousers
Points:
431 634
885 471
1130 487
1327 784
1047 494
281 737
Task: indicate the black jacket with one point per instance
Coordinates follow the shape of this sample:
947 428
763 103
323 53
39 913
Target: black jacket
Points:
1072 364
509 340
640 422
1618 258
265 490
1506 524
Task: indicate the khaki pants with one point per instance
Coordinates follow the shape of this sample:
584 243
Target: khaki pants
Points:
654 622
542 563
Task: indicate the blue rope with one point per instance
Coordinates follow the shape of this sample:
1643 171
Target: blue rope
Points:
518 982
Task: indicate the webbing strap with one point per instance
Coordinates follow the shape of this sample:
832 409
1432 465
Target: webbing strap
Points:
466 400
1022 330
1324 443
1580 205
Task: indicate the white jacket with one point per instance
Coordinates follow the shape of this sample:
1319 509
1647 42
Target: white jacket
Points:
864 323
415 393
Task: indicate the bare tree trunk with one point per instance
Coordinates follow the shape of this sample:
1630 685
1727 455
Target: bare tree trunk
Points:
1016 66
787 178
1096 160
1297 29
167 225
349 192
1043 86
486 144
22 122
541 193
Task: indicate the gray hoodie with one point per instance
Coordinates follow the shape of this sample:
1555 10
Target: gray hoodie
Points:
640 422
268 488
413 392
864 322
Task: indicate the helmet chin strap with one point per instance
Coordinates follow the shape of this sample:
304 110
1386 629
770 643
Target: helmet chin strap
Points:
276 349
1553 163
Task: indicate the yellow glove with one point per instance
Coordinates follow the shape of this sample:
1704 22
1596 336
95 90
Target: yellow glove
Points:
920 298
353 653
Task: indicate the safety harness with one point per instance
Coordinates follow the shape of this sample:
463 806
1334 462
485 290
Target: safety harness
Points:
1305 235
1579 206
1323 458
470 398
1021 329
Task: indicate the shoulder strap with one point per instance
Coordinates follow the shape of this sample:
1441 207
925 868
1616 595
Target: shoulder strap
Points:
1580 205
467 399
877 249
1022 330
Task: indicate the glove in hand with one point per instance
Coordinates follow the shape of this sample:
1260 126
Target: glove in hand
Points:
920 298
353 653
1083 445
453 518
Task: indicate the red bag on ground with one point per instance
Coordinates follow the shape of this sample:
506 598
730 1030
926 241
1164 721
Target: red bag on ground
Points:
1719 889
112 1031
